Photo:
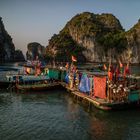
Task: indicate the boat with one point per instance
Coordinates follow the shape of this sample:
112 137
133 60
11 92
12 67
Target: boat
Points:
35 78
105 93
104 104
4 71
30 72
103 90
131 100
26 78
51 78
36 86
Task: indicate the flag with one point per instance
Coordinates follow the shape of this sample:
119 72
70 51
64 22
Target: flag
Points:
110 72
38 71
27 70
121 65
110 75
74 59
67 65
126 70
117 72
105 68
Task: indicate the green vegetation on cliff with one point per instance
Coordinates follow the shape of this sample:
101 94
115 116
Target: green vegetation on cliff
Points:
115 41
133 39
62 46
90 37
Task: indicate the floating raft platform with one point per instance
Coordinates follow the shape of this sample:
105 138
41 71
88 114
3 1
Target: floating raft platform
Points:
102 104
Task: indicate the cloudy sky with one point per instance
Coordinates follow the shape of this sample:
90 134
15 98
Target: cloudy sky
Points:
37 20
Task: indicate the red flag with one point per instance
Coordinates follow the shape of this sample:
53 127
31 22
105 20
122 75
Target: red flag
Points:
67 65
73 59
110 72
110 75
38 71
121 65
117 72
126 70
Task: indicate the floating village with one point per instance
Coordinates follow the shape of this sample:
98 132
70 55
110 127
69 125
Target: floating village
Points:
69 70
105 87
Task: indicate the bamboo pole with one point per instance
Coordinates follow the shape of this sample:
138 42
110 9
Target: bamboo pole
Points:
108 89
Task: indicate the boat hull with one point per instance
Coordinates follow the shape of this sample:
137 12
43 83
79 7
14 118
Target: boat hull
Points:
103 104
116 106
37 87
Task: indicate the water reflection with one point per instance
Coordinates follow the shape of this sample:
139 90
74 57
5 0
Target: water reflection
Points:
115 125
5 99
55 115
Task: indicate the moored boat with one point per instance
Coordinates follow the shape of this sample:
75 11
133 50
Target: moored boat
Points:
131 101
51 78
36 86
26 78
106 91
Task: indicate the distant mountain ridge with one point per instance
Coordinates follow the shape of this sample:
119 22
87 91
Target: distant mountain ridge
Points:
7 48
95 38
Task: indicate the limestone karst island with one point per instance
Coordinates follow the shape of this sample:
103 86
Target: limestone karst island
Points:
90 37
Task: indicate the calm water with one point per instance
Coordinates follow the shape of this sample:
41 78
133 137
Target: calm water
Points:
54 115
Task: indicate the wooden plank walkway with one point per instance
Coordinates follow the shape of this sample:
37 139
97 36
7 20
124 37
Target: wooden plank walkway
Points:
99 103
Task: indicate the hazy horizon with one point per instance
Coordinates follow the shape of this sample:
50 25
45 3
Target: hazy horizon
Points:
36 21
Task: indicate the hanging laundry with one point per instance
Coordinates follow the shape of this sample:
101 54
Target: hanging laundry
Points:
100 87
84 85
67 78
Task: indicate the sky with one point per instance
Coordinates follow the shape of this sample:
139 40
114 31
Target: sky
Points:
37 20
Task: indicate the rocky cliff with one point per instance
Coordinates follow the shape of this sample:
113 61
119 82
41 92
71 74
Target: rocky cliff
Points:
7 48
133 39
19 57
95 38
34 51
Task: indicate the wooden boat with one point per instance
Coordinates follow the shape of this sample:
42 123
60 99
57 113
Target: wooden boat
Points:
105 104
26 78
116 95
36 86
46 80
